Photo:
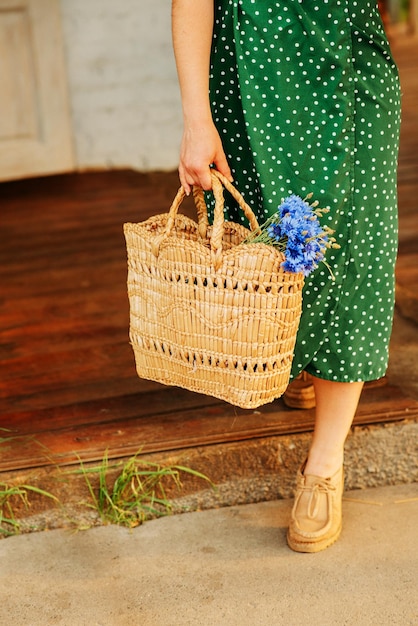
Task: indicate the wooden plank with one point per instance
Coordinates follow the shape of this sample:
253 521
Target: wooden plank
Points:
61 378
179 429
152 400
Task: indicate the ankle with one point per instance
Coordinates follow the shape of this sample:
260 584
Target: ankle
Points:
324 465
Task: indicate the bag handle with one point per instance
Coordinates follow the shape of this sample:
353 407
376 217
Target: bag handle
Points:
218 182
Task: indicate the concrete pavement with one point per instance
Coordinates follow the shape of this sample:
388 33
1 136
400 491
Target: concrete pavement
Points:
228 566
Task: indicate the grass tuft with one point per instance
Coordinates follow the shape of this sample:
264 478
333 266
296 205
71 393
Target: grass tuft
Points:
138 492
9 525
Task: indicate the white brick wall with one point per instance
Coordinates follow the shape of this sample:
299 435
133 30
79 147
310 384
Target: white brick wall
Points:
123 88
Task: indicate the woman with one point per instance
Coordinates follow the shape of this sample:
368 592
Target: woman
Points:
293 96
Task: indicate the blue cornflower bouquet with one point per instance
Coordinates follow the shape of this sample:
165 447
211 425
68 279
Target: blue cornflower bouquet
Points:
296 231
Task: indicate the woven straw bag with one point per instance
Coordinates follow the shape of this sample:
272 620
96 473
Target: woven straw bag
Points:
206 313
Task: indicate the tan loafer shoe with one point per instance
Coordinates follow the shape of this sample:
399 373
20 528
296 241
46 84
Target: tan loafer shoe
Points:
316 519
300 394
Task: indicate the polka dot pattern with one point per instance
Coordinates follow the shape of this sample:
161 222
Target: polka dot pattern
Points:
305 96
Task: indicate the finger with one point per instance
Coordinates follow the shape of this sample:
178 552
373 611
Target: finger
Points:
225 171
205 178
222 166
199 178
185 183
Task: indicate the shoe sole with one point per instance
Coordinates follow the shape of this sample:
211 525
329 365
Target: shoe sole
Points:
313 546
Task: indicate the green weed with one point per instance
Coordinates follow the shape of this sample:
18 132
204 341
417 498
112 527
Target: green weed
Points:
9 525
137 493
126 493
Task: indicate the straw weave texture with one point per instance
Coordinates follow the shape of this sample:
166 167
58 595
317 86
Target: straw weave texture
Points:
206 313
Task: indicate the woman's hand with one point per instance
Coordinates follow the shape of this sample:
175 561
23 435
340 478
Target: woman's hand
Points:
201 147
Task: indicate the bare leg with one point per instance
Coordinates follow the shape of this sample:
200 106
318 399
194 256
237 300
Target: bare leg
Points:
316 519
336 404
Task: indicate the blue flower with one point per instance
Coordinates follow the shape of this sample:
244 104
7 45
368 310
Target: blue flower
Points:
295 206
296 231
275 231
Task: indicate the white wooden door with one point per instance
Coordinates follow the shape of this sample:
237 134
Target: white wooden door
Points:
35 127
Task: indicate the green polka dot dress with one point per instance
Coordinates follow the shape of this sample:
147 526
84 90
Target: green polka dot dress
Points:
305 96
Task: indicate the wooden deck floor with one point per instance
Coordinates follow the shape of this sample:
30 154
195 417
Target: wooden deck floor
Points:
67 379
